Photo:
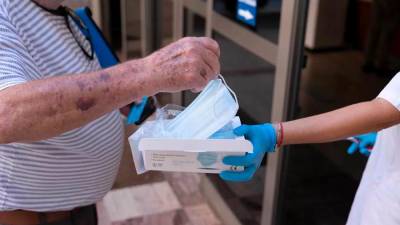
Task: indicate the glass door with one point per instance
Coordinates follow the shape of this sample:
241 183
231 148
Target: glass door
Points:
262 65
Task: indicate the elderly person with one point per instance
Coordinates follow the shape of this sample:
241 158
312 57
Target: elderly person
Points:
61 135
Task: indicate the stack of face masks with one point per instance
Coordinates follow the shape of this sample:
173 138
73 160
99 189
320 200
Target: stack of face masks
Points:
210 116
216 106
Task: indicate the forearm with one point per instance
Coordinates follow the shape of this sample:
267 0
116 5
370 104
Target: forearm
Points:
45 108
348 121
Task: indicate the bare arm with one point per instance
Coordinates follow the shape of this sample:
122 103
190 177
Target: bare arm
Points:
45 108
348 121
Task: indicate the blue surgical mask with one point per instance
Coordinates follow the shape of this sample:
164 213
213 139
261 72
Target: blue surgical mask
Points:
216 106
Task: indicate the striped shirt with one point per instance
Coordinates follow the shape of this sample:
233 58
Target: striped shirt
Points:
76 168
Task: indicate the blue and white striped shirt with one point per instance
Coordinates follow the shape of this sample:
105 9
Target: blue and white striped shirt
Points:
76 168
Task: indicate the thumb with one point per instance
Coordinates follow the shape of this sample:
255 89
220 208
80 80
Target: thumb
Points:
242 130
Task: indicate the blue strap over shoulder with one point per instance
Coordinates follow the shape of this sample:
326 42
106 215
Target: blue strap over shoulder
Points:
102 49
107 57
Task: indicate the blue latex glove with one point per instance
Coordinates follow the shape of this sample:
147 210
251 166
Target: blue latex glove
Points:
364 145
263 138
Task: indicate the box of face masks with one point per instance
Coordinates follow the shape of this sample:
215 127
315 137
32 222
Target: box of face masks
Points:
195 139
193 155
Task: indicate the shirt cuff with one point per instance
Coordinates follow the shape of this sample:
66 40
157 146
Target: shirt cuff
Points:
391 92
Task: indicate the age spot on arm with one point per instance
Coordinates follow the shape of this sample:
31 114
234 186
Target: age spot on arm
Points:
81 85
104 77
85 104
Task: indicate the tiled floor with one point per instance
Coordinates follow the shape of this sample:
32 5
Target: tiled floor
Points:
167 202
154 198
174 201
140 200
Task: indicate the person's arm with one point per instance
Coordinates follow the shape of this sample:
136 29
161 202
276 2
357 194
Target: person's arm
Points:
345 122
348 121
41 109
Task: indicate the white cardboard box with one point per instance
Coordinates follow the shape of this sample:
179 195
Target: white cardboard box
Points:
187 155
191 155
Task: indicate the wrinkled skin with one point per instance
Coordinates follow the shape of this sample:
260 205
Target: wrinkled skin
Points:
189 57
69 102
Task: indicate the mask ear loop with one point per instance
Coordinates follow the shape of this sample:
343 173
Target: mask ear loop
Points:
229 89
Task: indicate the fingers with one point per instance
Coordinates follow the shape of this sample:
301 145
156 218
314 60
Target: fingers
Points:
210 44
353 148
247 160
210 58
202 55
243 176
205 71
241 131
187 64
366 145
201 80
364 148
212 61
195 90
209 51
365 151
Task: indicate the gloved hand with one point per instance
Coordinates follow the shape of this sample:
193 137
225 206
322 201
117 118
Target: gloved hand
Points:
263 138
365 144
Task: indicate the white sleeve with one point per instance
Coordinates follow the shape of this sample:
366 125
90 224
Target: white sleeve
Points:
391 92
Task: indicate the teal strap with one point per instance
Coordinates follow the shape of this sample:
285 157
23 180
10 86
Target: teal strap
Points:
106 56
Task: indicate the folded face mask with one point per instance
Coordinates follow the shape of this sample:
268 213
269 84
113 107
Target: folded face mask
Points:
210 111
